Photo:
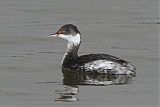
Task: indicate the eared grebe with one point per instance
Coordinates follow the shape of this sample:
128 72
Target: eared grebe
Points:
94 63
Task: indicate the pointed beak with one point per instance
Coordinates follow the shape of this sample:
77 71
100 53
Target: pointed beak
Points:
53 35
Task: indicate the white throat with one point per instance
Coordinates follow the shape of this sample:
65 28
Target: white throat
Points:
72 45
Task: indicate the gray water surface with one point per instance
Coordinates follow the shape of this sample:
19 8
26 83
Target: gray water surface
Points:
30 63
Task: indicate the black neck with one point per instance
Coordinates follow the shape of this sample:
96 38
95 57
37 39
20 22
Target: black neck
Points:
70 56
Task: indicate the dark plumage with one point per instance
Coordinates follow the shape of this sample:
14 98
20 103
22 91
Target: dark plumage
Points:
100 63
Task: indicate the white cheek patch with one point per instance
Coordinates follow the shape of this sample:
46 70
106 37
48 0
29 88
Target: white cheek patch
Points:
62 36
75 39
71 39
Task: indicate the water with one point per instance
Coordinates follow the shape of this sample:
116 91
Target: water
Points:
30 71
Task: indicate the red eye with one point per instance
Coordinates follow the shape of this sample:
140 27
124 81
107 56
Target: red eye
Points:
62 31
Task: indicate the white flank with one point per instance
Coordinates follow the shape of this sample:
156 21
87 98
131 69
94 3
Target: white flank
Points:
102 66
99 64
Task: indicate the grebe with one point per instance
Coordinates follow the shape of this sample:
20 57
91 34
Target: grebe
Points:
93 63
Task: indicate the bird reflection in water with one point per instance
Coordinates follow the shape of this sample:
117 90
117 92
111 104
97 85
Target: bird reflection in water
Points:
68 94
72 80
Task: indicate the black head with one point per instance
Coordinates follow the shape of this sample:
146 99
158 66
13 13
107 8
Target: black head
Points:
68 32
68 29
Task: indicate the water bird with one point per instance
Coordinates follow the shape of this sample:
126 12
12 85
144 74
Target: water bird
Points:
92 63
